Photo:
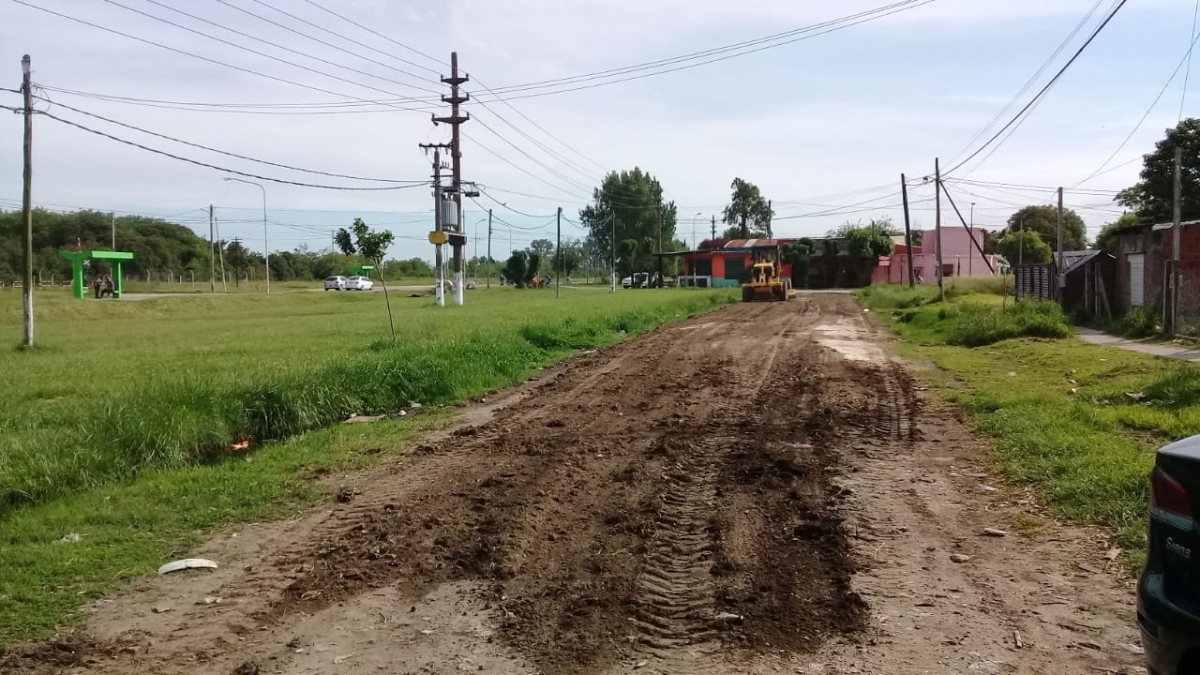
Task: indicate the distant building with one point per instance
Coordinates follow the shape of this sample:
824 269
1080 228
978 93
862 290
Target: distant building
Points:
1144 254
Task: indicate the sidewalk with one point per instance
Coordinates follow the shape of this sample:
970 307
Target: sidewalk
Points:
1165 350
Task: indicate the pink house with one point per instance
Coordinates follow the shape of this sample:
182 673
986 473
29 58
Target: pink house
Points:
961 257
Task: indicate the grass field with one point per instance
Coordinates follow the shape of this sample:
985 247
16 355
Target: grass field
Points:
1077 421
118 425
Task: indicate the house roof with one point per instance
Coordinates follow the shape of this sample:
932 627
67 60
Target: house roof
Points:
746 244
1166 226
1073 260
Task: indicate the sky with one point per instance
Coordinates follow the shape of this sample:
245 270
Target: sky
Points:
823 125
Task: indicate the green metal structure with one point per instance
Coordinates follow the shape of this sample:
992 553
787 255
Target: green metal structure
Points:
114 258
361 270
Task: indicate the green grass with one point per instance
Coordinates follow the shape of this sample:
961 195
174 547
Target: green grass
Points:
1060 410
117 425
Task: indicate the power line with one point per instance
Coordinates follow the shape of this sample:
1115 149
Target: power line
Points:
219 168
342 49
293 51
381 35
209 60
242 108
1030 82
1020 115
408 183
255 51
1187 76
1153 104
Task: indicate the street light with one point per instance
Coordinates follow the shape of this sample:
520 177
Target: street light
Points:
695 243
266 247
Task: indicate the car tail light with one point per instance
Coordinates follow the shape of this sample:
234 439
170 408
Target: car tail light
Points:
1168 495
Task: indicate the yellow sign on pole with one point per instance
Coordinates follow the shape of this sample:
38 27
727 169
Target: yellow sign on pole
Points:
438 237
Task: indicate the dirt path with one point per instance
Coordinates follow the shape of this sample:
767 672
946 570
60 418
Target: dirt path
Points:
756 490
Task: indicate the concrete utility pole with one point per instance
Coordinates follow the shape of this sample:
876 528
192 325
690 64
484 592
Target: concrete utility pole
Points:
1062 278
559 272
27 199
212 252
937 195
612 288
438 236
266 243
912 274
113 216
1177 207
714 228
489 251
456 98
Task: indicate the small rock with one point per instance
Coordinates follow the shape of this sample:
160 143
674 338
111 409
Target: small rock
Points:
1089 568
160 609
640 664
212 600
727 617
959 558
72 538
985 489
1132 649
984 667
993 532
1113 553
1010 374
339 660
414 404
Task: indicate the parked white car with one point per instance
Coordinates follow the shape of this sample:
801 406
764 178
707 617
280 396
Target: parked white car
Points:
335 283
359 284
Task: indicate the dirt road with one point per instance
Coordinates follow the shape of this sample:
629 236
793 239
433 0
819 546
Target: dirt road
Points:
760 489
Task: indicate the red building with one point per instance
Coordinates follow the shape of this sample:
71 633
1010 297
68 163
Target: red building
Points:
722 262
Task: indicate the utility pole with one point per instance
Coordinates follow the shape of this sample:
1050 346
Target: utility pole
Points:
1176 277
658 215
27 200
212 252
937 195
456 98
770 212
266 243
438 236
558 247
489 251
714 228
114 230
237 279
612 287
1062 279
912 274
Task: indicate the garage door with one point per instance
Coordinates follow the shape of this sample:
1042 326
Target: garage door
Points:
1137 279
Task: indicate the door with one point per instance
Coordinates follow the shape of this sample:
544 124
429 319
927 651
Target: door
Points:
1137 279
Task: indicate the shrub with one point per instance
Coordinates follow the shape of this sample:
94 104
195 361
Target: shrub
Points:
978 326
1138 322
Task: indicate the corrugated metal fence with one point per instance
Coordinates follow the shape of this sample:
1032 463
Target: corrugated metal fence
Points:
1035 282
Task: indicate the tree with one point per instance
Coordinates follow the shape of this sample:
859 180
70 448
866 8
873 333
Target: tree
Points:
572 257
371 245
631 203
1043 219
1036 252
748 214
1152 197
1108 238
542 247
799 254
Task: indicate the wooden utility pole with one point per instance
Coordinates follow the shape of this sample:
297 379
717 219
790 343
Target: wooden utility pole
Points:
1062 279
912 274
1177 208
456 98
558 271
489 250
27 199
212 252
937 197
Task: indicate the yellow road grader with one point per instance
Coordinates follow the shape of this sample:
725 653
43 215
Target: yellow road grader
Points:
766 284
